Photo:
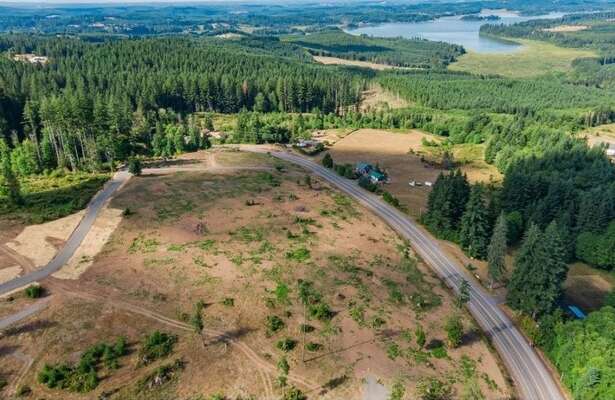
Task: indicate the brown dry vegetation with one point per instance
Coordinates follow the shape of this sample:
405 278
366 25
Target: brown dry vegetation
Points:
355 63
405 158
246 235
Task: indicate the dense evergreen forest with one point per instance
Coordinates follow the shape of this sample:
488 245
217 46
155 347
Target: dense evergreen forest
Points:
416 53
98 102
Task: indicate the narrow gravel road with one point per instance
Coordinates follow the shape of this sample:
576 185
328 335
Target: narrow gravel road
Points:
75 239
530 375
25 313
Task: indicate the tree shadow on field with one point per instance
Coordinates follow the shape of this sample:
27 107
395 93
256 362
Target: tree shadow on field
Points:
227 337
30 327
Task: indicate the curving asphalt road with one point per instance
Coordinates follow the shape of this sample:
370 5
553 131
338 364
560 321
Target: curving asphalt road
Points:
75 239
531 376
529 373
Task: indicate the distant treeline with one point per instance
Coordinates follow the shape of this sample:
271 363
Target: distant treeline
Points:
595 31
414 53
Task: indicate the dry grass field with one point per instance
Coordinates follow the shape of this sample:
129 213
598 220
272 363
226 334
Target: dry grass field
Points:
355 63
248 246
405 158
533 59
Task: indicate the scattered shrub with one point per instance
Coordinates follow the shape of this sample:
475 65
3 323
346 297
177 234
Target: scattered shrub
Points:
134 166
34 291
274 324
286 344
156 345
312 346
293 393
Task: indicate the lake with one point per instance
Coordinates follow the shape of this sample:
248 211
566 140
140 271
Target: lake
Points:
454 30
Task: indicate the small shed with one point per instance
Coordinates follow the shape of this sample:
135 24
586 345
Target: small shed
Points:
376 177
363 168
576 311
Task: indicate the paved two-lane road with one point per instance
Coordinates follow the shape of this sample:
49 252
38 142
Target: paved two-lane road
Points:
75 239
531 376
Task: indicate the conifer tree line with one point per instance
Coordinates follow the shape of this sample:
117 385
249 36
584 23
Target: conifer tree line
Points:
96 103
564 201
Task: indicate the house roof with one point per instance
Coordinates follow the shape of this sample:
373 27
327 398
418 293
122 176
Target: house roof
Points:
376 175
363 165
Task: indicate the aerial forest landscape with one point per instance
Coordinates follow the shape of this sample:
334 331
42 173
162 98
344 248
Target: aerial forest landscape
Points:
297 199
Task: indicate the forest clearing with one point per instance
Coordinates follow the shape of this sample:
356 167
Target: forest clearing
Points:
179 247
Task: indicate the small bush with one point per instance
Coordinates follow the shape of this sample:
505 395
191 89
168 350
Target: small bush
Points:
286 344
281 293
34 291
134 166
367 184
301 254
312 346
321 311
305 328
156 345
393 351
439 352
293 394
274 324
327 161
392 200
229 302
83 377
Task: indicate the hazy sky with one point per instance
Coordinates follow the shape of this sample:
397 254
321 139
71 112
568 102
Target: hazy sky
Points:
18 2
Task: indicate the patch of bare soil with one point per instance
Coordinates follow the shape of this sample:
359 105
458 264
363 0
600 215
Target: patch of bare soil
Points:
106 223
363 64
242 244
566 28
376 98
40 243
8 273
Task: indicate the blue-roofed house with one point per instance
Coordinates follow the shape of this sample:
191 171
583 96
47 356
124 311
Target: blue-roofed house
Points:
376 177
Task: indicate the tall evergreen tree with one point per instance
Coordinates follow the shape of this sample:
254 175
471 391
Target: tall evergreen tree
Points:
556 267
540 271
446 203
526 284
474 232
496 252
10 184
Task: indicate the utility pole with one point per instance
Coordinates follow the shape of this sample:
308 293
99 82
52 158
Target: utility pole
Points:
303 328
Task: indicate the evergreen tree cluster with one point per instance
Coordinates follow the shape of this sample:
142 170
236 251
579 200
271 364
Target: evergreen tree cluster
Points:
97 103
539 271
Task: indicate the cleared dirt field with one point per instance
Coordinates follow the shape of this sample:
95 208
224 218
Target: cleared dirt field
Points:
376 98
404 157
567 28
362 64
241 242
603 134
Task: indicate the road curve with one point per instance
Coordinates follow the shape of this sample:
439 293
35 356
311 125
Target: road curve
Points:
75 239
531 376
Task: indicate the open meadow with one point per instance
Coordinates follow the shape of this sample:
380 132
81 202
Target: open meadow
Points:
405 157
222 265
533 59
